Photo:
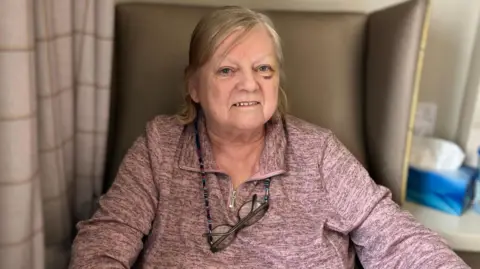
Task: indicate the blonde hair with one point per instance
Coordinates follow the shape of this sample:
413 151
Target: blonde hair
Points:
210 31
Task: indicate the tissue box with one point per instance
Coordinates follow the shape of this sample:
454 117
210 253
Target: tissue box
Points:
447 191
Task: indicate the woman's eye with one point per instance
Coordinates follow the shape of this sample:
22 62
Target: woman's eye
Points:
225 71
264 68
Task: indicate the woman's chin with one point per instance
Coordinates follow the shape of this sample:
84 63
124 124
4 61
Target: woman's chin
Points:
248 119
248 123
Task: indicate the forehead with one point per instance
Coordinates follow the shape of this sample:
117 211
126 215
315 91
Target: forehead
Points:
256 41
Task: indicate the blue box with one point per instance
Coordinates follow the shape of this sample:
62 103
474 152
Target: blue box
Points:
447 191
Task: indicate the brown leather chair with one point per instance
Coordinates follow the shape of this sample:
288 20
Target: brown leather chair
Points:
354 73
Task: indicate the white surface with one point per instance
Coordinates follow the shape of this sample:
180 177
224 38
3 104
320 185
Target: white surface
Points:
462 233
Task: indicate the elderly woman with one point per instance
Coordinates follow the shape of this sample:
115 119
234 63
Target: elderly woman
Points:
234 182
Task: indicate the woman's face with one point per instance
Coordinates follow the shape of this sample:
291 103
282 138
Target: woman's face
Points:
238 87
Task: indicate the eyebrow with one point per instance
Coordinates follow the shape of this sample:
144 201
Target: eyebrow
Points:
259 59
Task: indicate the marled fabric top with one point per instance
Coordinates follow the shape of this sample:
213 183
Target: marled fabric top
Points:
324 207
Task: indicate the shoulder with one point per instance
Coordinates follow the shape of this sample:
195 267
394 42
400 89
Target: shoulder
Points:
164 123
304 132
164 130
306 141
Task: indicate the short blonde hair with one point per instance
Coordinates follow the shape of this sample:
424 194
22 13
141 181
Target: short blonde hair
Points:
210 31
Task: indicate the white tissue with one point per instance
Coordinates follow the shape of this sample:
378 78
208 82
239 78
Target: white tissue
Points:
435 154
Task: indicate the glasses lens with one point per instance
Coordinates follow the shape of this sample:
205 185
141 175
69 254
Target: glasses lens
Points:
259 208
222 241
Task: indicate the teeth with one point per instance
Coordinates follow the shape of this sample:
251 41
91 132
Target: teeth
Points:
246 103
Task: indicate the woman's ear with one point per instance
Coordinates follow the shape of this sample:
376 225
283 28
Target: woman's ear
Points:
193 89
194 94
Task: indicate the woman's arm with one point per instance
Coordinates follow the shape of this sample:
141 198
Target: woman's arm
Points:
112 238
383 234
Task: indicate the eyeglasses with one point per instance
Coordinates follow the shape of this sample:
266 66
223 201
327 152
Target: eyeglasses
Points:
249 213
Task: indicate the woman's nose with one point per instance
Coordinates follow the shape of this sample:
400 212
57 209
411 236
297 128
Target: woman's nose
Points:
248 81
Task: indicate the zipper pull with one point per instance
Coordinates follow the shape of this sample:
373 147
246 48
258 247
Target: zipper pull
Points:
232 199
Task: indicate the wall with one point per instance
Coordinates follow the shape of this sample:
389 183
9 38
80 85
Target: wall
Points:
447 61
468 135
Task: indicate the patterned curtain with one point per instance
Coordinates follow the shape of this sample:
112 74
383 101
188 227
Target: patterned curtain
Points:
55 62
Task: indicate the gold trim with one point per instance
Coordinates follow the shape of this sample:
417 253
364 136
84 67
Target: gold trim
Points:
414 101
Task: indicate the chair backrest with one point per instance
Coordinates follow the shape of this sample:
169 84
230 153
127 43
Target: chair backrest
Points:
353 73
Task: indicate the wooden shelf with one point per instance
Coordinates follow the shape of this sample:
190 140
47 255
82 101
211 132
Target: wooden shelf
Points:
461 232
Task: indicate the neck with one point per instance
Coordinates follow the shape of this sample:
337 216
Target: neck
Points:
237 150
224 140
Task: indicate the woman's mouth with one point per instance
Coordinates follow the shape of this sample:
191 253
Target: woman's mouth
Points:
241 104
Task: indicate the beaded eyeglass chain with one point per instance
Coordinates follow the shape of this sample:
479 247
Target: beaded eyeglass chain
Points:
204 183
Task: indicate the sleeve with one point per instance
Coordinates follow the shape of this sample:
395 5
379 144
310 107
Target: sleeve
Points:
112 238
383 234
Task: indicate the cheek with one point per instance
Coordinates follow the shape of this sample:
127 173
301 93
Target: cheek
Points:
220 92
271 91
216 92
210 90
